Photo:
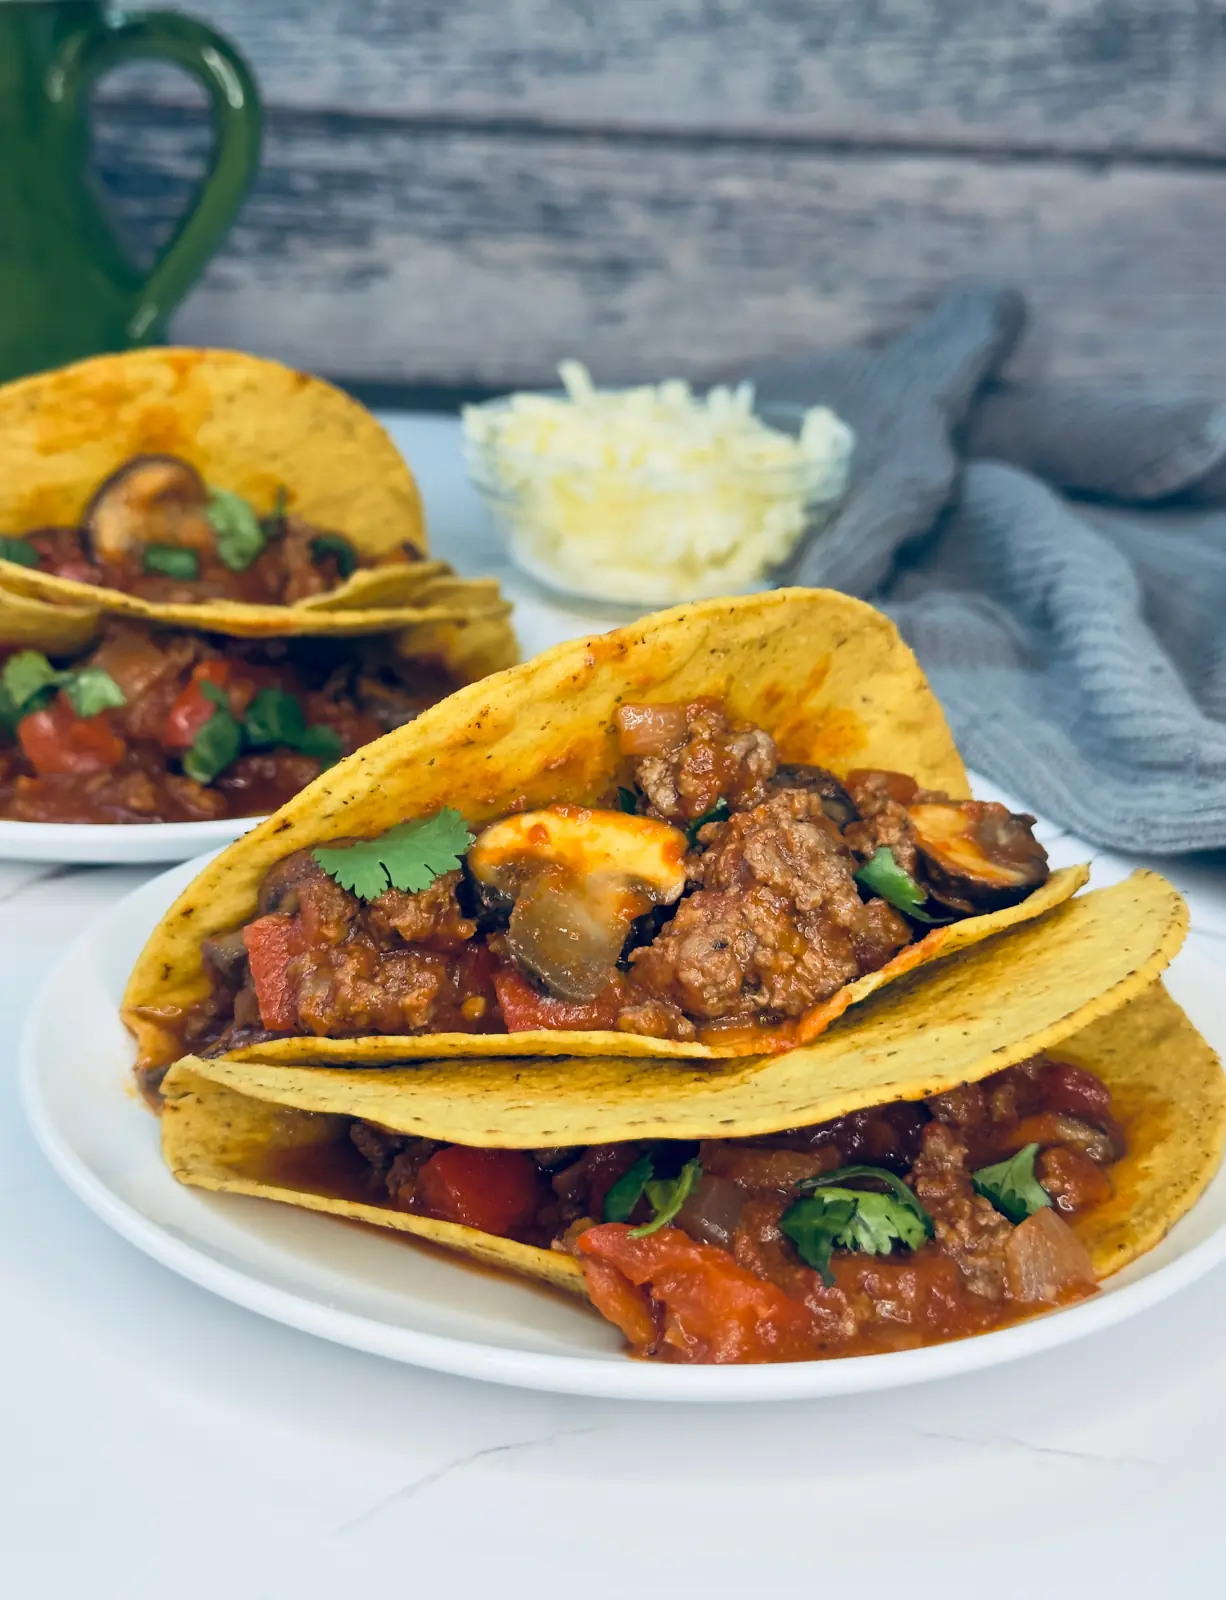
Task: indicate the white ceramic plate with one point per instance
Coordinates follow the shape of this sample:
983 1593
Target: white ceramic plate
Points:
136 844
383 1294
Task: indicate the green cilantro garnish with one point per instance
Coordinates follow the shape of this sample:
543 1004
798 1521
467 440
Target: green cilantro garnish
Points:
275 717
26 675
717 813
854 1219
626 1193
28 681
337 546
240 537
407 857
218 742
92 690
19 551
815 1226
322 742
1012 1186
276 516
627 800
667 1196
169 561
882 875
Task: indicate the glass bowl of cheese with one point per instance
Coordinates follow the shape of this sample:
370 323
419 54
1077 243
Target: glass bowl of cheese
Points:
654 495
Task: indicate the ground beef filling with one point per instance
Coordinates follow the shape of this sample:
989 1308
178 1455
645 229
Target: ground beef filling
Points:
297 562
127 764
777 922
772 921
724 1282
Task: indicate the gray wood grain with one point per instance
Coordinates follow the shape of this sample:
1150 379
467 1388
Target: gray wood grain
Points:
378 251
1072 75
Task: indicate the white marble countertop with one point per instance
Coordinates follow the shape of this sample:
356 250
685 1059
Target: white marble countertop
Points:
157 1442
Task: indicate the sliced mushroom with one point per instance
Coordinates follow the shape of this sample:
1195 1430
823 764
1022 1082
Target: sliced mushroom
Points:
836 802
156 500
578 878
976 855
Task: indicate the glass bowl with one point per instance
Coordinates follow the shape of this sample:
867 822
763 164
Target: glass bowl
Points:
653 534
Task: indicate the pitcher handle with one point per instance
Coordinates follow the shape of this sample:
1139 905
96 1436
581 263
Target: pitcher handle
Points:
237 127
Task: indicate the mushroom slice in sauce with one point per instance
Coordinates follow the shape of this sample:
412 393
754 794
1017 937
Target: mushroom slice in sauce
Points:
158 500
836 802
578 878
977 855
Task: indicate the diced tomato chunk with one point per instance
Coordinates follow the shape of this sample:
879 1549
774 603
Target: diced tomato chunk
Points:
59 743
625 1305
271 941
713 1310
498 1191
193 708
523 1008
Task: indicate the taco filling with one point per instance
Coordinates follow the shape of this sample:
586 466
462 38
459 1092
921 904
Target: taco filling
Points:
154 529
165 725
901 1225
717 895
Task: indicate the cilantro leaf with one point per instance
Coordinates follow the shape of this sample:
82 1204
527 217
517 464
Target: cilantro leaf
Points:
337 546
91 690
322 742
20 551
879 1220
1012 1186
219 741
883 876
626 1193
275 717
26 676
667 1196
872 1224
717 813
169 561
895 1185
409 856
627 800
28 682
239 535
814 1225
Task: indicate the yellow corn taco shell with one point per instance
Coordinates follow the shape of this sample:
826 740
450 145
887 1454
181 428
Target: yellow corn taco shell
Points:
248 425
27 624
827 675
467 647
236 1126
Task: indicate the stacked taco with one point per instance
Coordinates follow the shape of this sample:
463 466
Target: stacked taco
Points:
242 542
678 968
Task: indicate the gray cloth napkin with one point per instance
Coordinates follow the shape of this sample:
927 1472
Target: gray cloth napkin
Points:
1057 559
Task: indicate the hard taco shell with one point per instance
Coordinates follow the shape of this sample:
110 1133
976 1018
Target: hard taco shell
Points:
234 1126
826 675
250 426
28 624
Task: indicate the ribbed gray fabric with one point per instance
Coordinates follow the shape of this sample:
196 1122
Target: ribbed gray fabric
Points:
1077 645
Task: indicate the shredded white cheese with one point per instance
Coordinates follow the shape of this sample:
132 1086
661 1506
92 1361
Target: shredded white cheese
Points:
652 495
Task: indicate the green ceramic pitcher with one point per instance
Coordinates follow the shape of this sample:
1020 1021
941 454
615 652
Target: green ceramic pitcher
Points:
67 287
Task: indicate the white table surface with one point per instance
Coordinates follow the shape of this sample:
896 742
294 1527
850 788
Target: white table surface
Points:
157 1442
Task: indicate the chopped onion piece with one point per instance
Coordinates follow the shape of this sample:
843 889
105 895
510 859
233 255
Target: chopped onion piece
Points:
1045 1261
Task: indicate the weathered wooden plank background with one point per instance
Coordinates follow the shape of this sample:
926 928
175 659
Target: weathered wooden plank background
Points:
457 193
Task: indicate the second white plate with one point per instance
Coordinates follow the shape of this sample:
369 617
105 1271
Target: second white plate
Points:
135 844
